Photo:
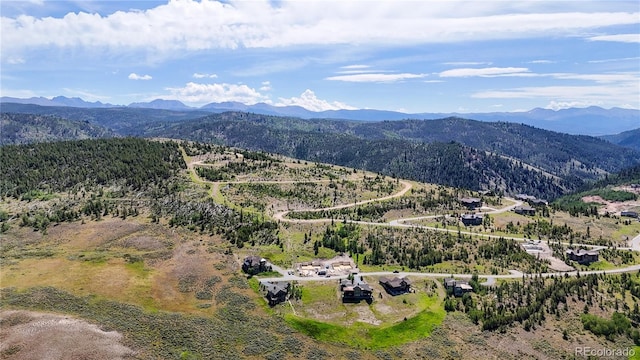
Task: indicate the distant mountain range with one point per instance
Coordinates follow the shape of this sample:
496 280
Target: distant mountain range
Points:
630 139
454 151
56 101
592 120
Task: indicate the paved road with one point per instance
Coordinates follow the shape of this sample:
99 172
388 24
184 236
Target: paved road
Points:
491 278
634 244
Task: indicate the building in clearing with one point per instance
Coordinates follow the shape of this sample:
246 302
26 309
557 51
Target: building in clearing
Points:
276 292
396 285
471 203
458 287
253 265
538 202
471 219
356 290
532 200
582 256
631 214
524 210
524 197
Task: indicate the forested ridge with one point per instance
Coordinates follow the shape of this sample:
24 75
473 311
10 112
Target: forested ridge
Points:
630 175
453 151
28 128
123 121
443 163
146 172
560 154
630 139
60 166
557 153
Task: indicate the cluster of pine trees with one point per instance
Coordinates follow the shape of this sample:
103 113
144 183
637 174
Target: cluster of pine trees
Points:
60 166
528 303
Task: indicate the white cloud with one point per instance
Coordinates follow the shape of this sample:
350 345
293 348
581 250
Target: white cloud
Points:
86 95
200 94
626 38
613 60
466 63
202 76
600 78
310 101
15 60
486 72
18 93
375 77
541 62
609 94
559 105
187 25
362 71
266 86
134 76
355 67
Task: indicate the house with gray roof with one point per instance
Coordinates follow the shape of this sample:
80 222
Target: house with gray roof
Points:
355 290
395 286
524 210
458 287
471 202
471 219
276 291
582 256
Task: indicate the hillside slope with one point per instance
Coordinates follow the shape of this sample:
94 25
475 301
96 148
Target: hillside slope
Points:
122 120
630 139
443 163
563 155
501 156
30 128
560 154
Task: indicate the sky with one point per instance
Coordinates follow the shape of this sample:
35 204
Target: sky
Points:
410 56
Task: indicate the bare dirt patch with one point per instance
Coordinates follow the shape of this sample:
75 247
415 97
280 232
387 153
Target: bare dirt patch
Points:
95 233
31 335
365 315
610 206
144 243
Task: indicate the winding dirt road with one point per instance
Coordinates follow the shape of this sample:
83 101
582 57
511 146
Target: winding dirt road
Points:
634 244
281 215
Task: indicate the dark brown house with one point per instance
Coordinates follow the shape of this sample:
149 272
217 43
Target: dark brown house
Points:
538 202
471 219
524 197
524 210
582 256
396 286
471 203
253 265
355 291
276 292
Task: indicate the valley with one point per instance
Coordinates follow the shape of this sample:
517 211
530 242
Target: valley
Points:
168 251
